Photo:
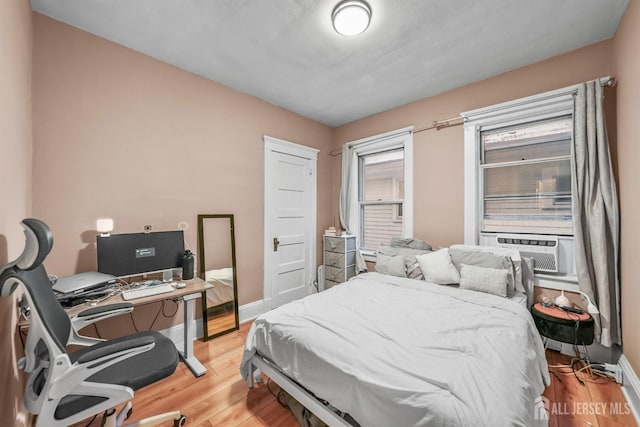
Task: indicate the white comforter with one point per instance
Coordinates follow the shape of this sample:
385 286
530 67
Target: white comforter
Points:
400 352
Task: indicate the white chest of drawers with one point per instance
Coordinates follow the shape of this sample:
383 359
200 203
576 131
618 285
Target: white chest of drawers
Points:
339 259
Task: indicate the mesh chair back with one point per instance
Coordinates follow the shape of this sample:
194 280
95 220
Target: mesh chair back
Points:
50 312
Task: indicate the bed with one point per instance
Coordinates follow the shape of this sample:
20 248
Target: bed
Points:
394 351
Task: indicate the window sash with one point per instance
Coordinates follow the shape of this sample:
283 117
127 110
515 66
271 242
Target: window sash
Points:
371 236
530 200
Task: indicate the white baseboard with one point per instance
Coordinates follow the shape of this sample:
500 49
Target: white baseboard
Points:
251 310
631 387
176 332
246 312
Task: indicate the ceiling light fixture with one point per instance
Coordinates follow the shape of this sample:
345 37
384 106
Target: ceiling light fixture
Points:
351 17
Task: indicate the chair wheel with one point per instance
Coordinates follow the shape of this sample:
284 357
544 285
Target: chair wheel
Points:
180 421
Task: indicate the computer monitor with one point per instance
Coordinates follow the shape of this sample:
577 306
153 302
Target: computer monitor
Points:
135 253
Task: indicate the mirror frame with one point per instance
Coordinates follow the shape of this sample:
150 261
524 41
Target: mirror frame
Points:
201 267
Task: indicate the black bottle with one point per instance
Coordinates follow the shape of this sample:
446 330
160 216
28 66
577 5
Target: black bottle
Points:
187 265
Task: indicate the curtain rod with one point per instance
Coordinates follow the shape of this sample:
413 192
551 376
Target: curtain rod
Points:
457 121
441 124
436 124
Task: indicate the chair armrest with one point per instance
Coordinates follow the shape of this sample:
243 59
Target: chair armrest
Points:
108 349
106 309
93 315
93 360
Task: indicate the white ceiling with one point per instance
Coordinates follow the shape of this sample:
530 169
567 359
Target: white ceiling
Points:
287 53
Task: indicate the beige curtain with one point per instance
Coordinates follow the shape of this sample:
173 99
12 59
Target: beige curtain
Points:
595 212
346 194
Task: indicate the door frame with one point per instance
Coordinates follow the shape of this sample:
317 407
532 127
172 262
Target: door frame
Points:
275 145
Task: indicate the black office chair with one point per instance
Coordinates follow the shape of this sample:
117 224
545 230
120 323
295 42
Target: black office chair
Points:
64 388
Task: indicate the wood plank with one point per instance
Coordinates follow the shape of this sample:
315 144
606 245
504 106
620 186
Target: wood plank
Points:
272 414
549 391
570 394
613 409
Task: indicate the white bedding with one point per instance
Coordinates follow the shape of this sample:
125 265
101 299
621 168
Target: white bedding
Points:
393 351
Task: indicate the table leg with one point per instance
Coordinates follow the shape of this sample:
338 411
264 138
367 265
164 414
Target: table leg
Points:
189 335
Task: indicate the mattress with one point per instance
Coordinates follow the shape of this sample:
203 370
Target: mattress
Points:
396 351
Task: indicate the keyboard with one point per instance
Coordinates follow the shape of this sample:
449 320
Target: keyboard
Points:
146 292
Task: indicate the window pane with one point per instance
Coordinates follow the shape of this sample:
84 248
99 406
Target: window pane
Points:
539 140
380 223
380 174
534 179
535 216
533 208
529 198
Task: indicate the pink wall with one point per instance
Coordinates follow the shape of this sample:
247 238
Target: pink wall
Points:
104 116
15 182
626 64
122 135
438 155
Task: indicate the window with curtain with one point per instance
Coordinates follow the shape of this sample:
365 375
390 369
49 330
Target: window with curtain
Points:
377 188
525 175
380 197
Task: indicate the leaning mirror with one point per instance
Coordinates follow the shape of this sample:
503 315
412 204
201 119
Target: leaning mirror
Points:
217 266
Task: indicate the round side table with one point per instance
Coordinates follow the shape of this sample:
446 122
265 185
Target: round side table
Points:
564 326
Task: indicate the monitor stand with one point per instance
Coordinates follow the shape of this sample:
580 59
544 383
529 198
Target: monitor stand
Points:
167 275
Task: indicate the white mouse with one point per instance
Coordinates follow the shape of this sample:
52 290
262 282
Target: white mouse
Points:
181 285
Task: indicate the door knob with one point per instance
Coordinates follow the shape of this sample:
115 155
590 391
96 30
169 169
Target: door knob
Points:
276 243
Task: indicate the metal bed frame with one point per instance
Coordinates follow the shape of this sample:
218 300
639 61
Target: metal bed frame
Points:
296 391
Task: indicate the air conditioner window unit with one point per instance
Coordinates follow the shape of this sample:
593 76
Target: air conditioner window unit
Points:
543 249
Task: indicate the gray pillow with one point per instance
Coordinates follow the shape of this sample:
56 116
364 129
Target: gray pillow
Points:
409 243
481 279
411 264
391 265
484 259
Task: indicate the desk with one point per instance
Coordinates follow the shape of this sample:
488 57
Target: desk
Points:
195 289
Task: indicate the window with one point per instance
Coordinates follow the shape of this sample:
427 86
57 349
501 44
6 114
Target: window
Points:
526 178
518 177
518 169
380 197
381 178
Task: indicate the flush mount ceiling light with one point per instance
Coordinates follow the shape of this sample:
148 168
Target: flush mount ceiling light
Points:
351 17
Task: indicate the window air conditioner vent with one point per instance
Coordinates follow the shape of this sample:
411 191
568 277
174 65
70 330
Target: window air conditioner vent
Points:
543 249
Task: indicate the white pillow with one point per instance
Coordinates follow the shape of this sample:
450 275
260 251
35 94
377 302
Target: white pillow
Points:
488 280
438 268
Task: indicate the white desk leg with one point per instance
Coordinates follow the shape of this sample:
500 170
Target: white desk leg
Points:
189 335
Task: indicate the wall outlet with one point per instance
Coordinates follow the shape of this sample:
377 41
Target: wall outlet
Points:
616 370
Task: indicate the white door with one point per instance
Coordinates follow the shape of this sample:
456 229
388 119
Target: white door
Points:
290 221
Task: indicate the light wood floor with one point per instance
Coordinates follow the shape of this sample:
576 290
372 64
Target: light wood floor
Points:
221 397
574 404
